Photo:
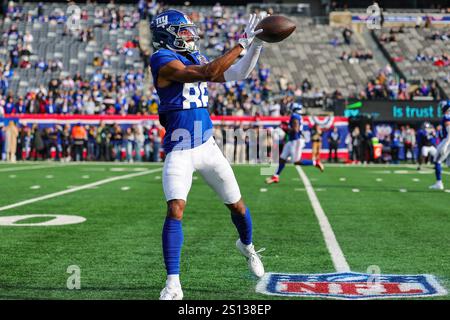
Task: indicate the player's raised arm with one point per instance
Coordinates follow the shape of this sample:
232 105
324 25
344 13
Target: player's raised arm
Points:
213 71
222 68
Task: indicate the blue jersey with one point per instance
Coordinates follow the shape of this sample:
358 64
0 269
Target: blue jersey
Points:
183 108
445 118
295 135
427 138
421 133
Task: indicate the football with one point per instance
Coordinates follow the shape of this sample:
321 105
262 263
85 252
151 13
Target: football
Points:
276 28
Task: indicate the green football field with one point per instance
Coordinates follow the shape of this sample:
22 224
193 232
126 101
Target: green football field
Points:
381 215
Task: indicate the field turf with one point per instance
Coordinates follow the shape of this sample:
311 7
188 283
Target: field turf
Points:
381 215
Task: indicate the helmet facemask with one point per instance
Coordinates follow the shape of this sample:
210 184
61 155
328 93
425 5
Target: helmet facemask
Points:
186 37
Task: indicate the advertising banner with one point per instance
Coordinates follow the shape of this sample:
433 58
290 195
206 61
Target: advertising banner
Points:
326 123
390 111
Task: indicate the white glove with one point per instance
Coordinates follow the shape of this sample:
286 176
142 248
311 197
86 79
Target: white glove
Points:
249 34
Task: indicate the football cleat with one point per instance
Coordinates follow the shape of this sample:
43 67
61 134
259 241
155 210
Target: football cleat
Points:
437 186
320 166
171 293
273 179
254 259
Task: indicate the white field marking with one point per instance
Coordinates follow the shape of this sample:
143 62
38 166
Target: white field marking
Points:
355 190
299 189
58 219
342 179
403 190
337 256
94 169
445 172
375 165
313 179
34 167
75 189
49 176
448 190
384 171
321 189
403 172
12 176
20 163
425 171
194 178
35 187
85 177
379 179
415 180
128 169
295 179
157 177
125 188
263 190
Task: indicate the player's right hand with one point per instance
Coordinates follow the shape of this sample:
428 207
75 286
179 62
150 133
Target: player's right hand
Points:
249 34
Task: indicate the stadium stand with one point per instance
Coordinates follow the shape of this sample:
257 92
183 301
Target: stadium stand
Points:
421 54
311 54
313 47
105 43
318 64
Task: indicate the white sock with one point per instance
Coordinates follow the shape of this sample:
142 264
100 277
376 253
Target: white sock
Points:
173 280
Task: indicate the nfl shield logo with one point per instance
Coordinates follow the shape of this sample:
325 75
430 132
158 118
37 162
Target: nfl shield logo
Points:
350 285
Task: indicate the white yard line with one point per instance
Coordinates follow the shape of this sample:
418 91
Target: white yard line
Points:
337 256
30 167
75 189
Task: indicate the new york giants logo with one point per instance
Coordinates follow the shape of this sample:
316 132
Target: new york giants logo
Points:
349 285
162 21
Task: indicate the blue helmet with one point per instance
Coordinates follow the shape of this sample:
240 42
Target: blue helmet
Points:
426 125
296 107
445 106
174 30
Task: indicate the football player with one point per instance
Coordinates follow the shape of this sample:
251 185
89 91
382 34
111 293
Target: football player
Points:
180 73
427 143
443 149
293 149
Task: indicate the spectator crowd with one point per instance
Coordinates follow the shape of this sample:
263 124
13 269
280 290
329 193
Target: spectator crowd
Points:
106 93
395 143
103 142
101 92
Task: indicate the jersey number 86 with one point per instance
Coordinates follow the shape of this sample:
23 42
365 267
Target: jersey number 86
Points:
195 95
